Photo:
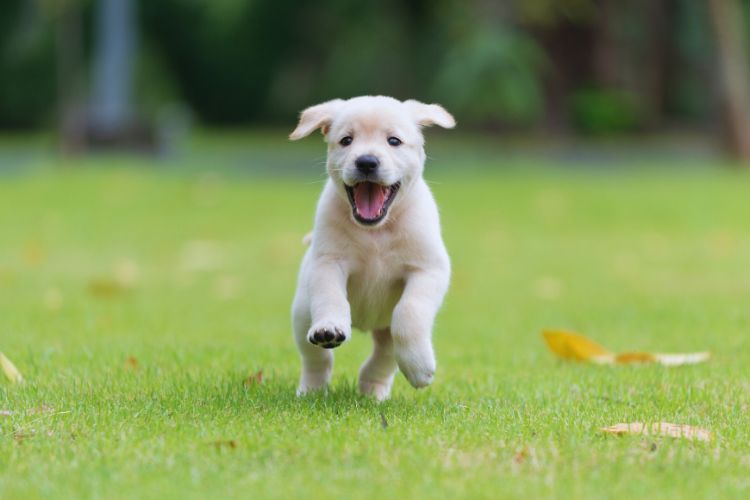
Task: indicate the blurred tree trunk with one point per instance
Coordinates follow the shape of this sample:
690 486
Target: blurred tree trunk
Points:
113 71
729 27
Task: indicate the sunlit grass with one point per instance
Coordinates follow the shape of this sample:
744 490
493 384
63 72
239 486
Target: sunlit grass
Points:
192 277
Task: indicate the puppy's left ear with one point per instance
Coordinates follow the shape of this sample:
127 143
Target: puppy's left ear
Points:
430 114
316 117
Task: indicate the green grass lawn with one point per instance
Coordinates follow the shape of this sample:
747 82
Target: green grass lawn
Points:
638 259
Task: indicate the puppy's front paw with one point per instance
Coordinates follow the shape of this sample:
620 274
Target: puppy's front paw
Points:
327 335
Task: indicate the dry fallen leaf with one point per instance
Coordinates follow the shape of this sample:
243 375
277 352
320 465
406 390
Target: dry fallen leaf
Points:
106 288
660 429
34 253
254 379
10 370
131 363
229 443
635 357
569 345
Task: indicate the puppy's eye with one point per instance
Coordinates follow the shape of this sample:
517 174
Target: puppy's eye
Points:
345 141
394 141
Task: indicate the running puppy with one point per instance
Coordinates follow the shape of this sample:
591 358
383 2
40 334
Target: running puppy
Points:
377 261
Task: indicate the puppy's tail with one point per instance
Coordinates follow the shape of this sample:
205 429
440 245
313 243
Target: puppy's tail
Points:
307 239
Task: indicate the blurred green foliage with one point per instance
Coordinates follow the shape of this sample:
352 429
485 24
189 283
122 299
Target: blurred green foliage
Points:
510 63
598 110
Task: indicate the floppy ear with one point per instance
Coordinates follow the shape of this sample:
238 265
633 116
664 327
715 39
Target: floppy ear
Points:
430 114
315 117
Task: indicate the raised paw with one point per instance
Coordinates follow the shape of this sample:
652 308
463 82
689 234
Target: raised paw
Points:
328 337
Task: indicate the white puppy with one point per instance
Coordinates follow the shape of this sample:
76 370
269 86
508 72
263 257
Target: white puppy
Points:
377 260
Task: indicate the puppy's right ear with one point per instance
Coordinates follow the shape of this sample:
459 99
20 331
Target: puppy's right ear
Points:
316 117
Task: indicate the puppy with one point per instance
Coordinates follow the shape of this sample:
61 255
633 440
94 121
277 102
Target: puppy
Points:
376 261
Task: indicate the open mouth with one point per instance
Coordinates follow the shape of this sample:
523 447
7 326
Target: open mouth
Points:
370 201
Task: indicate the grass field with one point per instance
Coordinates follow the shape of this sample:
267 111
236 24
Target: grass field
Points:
137 299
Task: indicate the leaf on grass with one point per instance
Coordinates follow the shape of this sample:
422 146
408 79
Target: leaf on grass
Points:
660 429
34 253
10 370
569 345
106 288
254 379
227 443
131 363
635 357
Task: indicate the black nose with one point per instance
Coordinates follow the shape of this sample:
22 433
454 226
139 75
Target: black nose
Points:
367 163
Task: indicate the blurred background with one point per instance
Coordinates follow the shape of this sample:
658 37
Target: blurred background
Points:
148 185
143 75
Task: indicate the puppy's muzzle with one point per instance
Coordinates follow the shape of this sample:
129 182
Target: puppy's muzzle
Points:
367 164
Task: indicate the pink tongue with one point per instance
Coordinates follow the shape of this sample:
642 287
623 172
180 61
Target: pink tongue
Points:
369 199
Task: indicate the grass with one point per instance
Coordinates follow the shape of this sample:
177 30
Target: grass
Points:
639 259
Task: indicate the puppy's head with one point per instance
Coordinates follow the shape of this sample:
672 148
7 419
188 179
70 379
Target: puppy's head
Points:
375 148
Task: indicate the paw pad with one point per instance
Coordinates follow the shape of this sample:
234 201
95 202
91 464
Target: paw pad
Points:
327 338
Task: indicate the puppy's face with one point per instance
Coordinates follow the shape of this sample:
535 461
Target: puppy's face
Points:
375 149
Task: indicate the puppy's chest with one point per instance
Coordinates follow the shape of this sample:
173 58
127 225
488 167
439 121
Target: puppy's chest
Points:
375 284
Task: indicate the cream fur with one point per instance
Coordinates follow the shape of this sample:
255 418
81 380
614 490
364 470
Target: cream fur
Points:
389 278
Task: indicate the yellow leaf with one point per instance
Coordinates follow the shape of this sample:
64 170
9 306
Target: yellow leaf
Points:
660 429
635 357
10 370
106 288
569 345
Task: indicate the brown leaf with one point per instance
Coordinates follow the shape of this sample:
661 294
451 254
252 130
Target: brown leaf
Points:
569 345
106 288
660 429
34 253
131 363
10 370
228 443
254 379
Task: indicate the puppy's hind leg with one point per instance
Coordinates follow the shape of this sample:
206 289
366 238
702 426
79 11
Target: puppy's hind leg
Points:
317 363
376 374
